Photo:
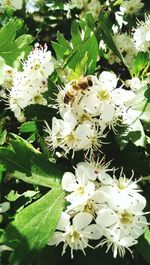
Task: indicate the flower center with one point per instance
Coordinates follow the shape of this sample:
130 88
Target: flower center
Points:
70 138
121 184
84 117
126 218
103 95
81 191
73 236
38 99
89 208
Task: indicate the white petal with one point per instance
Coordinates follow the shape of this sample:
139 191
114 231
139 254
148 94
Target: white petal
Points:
138 227
106 217
94 231
56 239
81 220
100 196
105 178
89 189
108 80
69 122
64 221
86 169
107 112
128 241
69 182
138 202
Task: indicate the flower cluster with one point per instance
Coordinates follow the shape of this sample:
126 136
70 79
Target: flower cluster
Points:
31 82
87 107
92 6
100 207
131 7
126 46
14 4
141 35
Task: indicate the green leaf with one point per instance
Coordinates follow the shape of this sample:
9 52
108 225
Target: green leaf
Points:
7 34
34 226
3 136
144 245
83 42
40 113
24 162
11 49
79 70
140 62
30 126
107 34
134 133
142 104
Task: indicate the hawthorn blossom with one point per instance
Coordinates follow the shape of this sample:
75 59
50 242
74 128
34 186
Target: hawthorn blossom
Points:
15 4
141 35
30 84
131 6
75 234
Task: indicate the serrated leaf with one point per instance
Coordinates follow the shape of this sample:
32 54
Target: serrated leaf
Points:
11 49
34 226
83 41
24 162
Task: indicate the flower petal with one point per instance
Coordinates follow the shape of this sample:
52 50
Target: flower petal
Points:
81 220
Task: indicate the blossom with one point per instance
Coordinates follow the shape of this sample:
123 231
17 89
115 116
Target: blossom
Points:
141 35
92 6
15 4
69 135
123 193
30 84
121 228
39 63
131 6
79 185
76 234
126 46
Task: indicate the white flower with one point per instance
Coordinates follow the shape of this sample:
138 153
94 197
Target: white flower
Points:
135 83
119 245
84 196
15 4
39 63
141 35
29 84
77 234
68 134
125 45
123 194
80 186
131 6
32 6
96 170
122 223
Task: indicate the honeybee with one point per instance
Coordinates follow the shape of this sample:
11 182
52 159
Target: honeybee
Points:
77 86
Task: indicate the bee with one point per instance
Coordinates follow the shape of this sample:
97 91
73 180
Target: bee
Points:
77 86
